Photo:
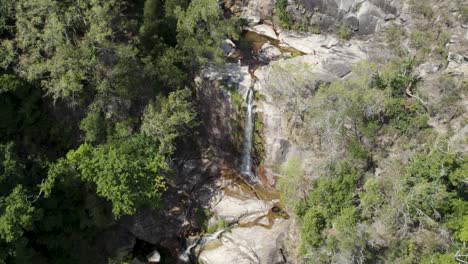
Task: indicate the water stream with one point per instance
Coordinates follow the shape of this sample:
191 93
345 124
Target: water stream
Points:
246 158
202 241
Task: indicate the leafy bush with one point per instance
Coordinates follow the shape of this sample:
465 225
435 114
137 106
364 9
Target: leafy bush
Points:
422 7
128 173
422 41
202 216
259 141
394 35
328 199
313 224
406 115
221 224
283 15
94 127
343 31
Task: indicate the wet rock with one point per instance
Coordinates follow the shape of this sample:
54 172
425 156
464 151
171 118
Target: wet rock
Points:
308 44
255 218
153 227
120 241
217 110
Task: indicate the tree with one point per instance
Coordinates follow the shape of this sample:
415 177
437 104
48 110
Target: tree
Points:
166 120
67 45
313 224
94 127
7 17
201 29
128 172
16 214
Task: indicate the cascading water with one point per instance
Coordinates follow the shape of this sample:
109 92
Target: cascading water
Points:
246 163
185 256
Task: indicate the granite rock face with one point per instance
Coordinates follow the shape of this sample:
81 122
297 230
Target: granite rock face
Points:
253 245
363 17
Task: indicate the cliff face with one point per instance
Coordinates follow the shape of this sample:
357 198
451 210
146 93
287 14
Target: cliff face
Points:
363 17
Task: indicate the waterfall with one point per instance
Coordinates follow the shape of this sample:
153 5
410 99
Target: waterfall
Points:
246 163
185 257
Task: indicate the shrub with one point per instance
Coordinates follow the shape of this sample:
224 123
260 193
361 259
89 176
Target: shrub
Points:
422 7
406 115
421 41
464 14
202 216
343 31
312 226
394 34
282 13
259 141
94 127
217 226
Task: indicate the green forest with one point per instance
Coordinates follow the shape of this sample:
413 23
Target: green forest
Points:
97 100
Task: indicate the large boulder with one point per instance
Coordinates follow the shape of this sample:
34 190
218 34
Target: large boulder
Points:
154 257
232 209
254 11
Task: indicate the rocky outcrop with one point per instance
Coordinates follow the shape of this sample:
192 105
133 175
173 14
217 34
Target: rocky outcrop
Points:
251 245
362 17
233 209
254 11
258 227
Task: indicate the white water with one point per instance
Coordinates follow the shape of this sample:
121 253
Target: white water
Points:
246 159
185 257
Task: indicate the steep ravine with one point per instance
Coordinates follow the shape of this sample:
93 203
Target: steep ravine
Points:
243 203
255 228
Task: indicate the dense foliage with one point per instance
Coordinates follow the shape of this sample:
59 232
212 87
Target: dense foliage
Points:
94 99
413 210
